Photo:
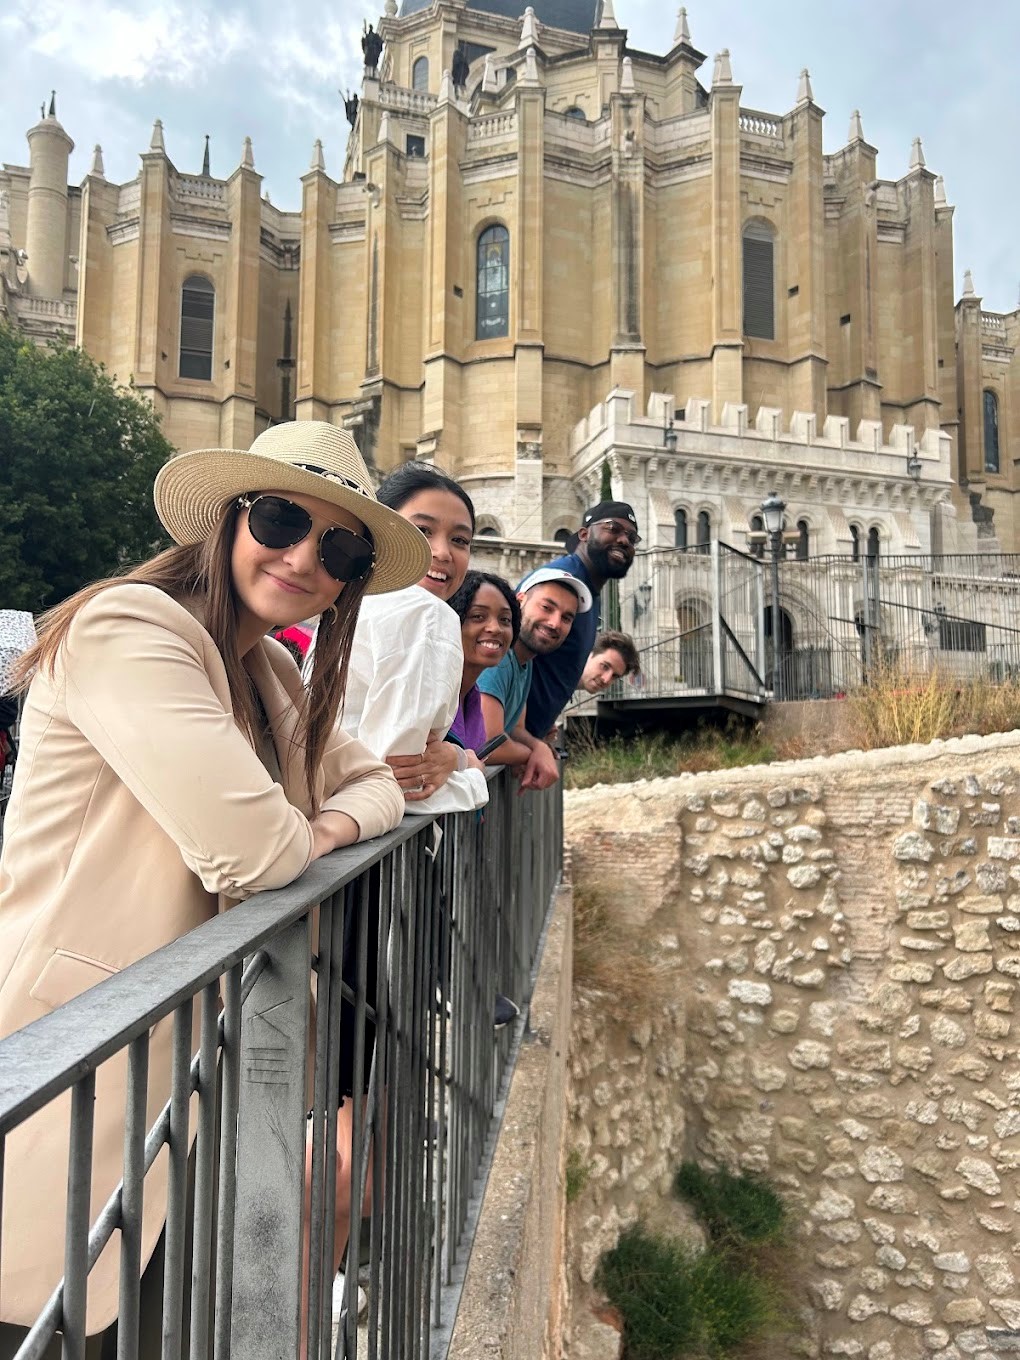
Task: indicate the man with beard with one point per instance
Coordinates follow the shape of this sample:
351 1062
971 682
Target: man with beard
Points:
605 552
552 599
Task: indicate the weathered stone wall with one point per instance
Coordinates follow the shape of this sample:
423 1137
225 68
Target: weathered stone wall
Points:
842 942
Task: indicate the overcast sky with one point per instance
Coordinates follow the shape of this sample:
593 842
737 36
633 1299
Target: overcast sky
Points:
271 69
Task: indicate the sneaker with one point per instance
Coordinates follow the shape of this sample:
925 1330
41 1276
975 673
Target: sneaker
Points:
338 1297
506 1012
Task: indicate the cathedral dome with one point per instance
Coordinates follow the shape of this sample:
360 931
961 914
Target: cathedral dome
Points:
577 16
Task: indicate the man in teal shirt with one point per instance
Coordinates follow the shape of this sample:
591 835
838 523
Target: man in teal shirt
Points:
550 601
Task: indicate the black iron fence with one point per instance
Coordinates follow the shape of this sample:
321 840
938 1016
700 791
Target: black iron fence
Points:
415 933
713 623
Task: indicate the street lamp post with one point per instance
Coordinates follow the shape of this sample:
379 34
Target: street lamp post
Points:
773 508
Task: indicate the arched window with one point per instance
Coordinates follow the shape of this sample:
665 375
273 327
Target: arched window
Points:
803 540
704 531
487 532
680 529
757 548
991 411
420 76
855 543
575 112
492 298
872 545
561 535
198 304
759 282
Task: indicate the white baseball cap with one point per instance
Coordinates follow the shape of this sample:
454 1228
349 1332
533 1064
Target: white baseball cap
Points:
558 576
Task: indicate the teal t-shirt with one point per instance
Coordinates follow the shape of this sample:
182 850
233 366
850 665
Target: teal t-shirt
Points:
510 683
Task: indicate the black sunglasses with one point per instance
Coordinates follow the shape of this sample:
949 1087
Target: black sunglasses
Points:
278 523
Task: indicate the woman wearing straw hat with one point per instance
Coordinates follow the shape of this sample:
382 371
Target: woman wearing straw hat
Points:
172 765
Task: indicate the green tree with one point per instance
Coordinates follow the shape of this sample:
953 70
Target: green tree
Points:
606 488
78 456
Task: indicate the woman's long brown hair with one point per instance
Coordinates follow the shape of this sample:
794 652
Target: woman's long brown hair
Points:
203 570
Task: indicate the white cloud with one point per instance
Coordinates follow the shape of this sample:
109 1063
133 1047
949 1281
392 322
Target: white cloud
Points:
110 42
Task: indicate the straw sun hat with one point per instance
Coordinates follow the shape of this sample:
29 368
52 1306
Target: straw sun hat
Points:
306 456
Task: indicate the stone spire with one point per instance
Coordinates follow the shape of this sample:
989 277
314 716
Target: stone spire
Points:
96 168
446 95
627 85
917 155
156 142
318 160
856 133
940 192
529 30
383 135
489 85
390 9
804 91
247 155
205 159
723 73
52 111
683 33
530 74
968 284
608 19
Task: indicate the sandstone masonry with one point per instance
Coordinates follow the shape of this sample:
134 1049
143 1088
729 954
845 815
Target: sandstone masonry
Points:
842 942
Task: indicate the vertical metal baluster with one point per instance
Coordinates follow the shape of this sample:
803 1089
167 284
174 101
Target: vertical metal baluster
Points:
132 1198
79 1196
379 1300
269 1225
229 1075
330 1099
205 1175
393 1265
3 1142
323 1165
177 1186
416 1086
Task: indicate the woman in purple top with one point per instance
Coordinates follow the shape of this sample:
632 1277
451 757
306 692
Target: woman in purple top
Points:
490 619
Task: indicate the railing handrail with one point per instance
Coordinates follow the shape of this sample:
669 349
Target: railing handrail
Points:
49 1055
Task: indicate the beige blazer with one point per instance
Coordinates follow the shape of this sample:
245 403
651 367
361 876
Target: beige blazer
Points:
139 810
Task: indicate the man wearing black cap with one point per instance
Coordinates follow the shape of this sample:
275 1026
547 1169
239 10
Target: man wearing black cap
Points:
605 552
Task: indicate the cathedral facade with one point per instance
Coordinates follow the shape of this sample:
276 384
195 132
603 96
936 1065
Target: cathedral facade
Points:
545 251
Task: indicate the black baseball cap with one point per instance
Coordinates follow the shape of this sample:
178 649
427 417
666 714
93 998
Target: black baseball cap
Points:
609 510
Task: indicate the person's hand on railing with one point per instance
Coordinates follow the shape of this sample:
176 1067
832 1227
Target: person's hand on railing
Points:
542 769
420 776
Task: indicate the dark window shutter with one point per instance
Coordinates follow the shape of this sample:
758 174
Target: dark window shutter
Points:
759 289
198 302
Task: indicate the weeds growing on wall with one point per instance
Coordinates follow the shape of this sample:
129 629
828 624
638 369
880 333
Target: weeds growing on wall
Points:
741 1210
725 1301
576 1175
626 759
898 708
612 957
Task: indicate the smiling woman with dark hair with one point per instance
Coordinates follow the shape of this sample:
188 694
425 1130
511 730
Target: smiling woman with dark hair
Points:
490 621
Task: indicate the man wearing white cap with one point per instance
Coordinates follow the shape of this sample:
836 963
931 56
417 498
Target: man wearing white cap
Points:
551 599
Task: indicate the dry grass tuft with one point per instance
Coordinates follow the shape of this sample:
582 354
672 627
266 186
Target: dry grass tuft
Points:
614 958
899 708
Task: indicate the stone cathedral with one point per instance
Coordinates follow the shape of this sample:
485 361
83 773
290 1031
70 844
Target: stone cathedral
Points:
544 250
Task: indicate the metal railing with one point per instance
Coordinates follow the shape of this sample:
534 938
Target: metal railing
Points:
703 621
450 912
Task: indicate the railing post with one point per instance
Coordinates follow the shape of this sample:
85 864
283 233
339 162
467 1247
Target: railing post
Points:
717 652
270 1163
759 623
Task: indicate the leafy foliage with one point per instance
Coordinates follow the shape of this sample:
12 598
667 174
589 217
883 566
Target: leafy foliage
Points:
78 456
743 1210
675 1301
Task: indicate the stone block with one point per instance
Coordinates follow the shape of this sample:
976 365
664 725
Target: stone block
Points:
913 848
971 937
966 1311
881 1165
967 965
750 993
866 1055
936 817
980 1174
947 1033
1004 847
